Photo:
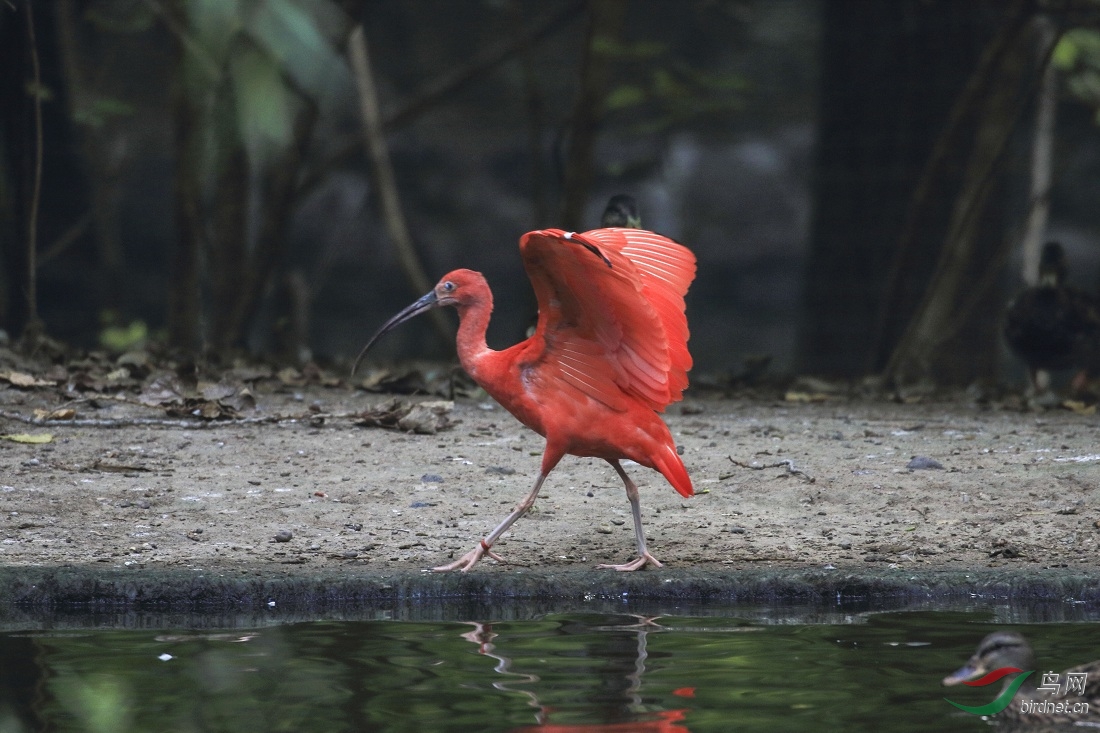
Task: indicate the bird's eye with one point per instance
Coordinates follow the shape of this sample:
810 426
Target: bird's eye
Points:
448 286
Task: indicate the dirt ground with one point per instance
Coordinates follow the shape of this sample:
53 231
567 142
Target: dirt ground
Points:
1016 488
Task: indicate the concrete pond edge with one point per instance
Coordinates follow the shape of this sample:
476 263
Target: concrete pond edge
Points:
82 589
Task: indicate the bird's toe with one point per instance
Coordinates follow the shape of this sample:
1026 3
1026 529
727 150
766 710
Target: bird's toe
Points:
467 561
637 563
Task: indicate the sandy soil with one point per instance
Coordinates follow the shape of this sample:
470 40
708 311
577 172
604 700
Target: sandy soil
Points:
1015 488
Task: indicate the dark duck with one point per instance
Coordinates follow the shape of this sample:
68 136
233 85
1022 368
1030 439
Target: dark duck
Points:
1053 326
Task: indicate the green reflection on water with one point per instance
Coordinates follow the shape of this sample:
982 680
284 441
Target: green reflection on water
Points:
564 672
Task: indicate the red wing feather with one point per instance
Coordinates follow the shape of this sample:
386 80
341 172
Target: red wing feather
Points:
614 332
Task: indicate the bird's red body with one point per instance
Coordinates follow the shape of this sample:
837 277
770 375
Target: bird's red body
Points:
609 351
610 347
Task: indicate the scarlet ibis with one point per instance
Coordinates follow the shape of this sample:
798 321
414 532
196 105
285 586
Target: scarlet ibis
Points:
1052 325
609 351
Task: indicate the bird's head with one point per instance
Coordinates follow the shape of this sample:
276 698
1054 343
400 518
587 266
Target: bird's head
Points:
999 649
621 211
459 288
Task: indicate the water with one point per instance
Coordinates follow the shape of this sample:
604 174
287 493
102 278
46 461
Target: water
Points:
614 672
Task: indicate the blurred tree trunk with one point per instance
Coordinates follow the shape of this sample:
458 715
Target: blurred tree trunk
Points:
227 246
230 239
42 190
890 74
1042 153
184 298
605 24
16 170
265 262
951 336
101 169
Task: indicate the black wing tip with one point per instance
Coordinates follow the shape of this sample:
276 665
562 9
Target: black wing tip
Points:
582 241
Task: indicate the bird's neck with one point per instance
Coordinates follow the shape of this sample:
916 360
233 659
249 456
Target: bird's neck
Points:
473 322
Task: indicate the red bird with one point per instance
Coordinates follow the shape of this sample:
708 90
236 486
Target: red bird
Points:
609 351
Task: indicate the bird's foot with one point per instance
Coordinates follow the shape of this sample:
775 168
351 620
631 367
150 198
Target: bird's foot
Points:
635 564
470 559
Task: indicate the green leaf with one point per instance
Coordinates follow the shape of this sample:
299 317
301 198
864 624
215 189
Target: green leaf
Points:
626 95
265 106
214 24
101 111
123 338
299 40
1064 56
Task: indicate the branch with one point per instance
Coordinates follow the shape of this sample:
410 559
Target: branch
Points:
489 58
434 91
605 25
382 167
33 325
788 464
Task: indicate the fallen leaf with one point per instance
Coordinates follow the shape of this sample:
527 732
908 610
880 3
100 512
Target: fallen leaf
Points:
424 378
291 377
118 374
793 396
250 374
21 379
420 417
216 391
61 413
27 438
164 390
1079 407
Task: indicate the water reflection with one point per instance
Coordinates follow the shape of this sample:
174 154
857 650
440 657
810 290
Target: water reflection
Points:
615 700
607 672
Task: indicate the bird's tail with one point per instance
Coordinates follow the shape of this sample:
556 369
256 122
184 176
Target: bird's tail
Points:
672 468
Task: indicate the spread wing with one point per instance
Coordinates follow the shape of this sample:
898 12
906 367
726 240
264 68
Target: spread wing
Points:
611 313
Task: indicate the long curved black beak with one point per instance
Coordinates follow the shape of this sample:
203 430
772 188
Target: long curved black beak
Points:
426 303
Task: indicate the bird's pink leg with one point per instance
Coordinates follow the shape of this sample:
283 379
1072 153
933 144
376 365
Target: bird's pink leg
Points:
472 557
644 558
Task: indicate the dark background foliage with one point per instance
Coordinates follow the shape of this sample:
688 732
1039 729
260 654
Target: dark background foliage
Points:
862 181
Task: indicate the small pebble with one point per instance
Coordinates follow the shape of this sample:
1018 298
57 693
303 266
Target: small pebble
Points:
284 535
736 530
351 554
923 463
603 529
431 478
